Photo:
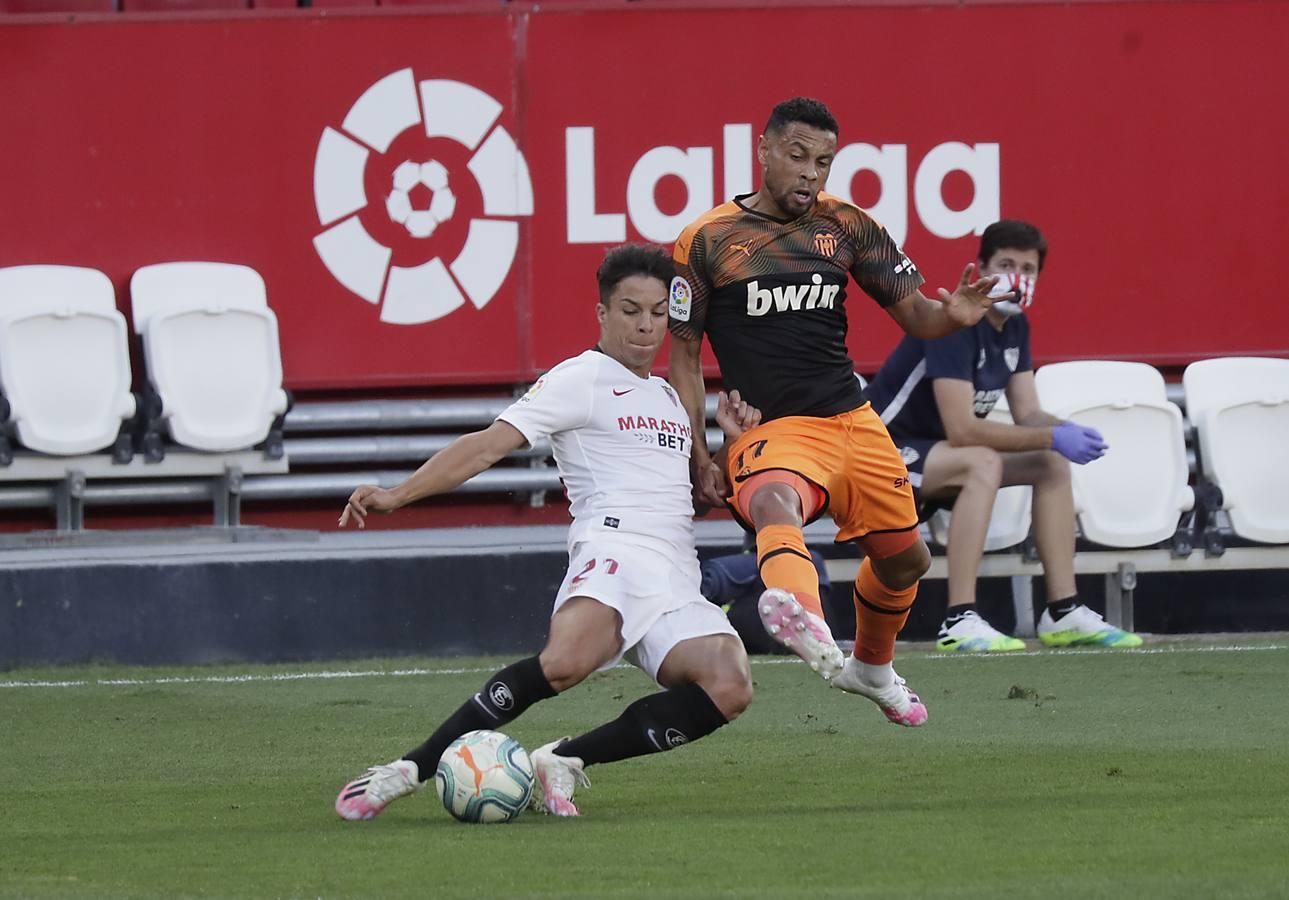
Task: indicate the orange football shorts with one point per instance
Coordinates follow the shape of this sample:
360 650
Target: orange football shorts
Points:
850 467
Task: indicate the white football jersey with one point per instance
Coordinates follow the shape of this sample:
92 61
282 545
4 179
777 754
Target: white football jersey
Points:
622 445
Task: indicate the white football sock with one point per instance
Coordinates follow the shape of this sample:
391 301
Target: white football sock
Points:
877 676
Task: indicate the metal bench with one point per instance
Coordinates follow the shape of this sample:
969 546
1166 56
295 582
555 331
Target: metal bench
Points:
333 446
329 448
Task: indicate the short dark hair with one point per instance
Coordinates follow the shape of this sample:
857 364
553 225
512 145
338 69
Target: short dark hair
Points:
1012 234
805 110
626 260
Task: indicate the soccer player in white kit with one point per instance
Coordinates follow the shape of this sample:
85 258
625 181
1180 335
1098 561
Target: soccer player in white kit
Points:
622 442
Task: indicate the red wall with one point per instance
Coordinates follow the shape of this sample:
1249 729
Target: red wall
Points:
1147 139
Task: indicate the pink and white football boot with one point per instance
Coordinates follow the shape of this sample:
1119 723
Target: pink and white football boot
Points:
371 792
558 776
884 687
801 631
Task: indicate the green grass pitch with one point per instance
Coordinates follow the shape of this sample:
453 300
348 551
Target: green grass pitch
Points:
1156 773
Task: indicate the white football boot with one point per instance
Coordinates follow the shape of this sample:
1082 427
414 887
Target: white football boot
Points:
558 776
1081 627
885 688
972 634
801 631
371 792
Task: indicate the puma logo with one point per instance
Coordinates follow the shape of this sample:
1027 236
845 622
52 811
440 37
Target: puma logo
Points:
468 758
745 247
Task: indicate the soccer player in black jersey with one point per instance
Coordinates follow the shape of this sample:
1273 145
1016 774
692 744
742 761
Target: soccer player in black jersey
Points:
764 278
934 397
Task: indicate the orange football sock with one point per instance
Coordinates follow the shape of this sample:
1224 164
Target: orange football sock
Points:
785 563
880 613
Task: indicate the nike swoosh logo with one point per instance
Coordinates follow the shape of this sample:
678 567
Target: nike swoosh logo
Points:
652 739
618 393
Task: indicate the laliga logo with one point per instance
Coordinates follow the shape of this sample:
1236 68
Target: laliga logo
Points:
420 223
409 295
695 167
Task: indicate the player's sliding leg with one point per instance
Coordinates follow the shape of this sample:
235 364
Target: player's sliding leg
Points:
880 612
502 698
777 503
584 635
707 684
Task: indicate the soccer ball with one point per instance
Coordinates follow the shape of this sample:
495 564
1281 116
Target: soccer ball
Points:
484 776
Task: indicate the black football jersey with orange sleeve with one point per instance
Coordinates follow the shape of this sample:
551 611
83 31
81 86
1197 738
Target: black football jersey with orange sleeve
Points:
770 296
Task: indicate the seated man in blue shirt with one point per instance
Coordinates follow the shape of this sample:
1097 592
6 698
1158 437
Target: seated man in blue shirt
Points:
934 397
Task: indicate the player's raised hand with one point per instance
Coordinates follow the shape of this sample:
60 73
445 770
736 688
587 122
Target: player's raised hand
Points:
365 500
968 302
735 415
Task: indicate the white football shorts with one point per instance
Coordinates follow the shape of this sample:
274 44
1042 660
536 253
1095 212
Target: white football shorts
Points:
655 591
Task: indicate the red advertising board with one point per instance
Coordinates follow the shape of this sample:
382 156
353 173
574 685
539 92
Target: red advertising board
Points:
427 195
157 140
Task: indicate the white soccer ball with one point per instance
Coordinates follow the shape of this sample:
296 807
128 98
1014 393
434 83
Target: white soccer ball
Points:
484 776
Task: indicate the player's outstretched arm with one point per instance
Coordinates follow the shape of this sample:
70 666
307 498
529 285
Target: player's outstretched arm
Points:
451 467
966 305
685 373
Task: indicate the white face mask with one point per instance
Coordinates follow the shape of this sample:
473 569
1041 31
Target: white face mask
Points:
1023 285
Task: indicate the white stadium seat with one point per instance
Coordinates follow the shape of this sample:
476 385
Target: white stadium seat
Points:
210 342
1010 522
64 358
1240 409
1135 495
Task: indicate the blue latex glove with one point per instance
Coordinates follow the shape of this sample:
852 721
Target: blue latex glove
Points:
1078 444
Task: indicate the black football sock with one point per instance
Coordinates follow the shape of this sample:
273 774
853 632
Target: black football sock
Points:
1060 607
504 696
661 721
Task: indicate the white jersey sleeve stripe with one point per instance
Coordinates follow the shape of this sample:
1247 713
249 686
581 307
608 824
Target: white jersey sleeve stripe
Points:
902 395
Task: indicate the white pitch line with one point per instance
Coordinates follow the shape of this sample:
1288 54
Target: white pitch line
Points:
1110 651
416 673
240 679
